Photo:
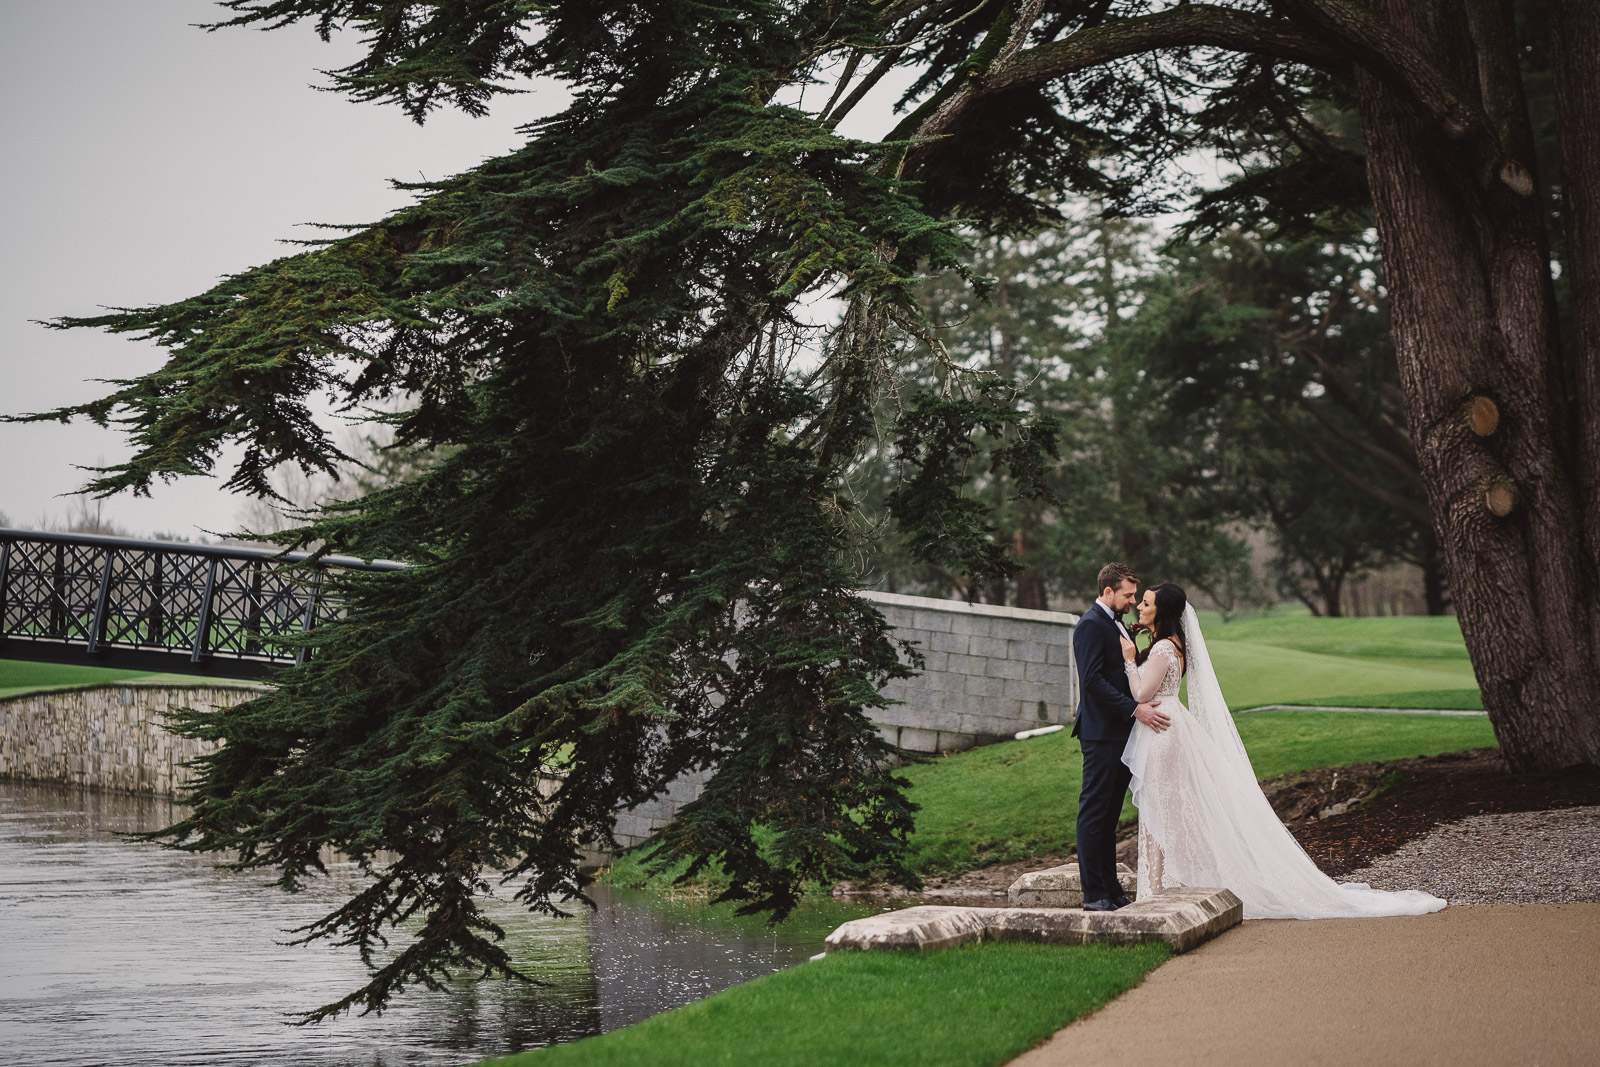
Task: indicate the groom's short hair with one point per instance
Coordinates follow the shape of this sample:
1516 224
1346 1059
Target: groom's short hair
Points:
1113 575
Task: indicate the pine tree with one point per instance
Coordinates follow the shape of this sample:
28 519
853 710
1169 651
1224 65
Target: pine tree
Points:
1063 330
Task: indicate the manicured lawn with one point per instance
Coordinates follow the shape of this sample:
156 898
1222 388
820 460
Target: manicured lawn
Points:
965 1007
1284 741
1446 699
21 676
1392 637
1401 662
1019 799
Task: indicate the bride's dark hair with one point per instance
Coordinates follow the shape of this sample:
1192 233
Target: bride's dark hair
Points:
1170 602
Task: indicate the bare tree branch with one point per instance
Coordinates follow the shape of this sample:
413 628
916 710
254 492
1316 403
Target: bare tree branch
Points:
1189 26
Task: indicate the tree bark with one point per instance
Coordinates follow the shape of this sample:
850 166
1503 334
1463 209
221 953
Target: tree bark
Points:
1575 27
1474 315
1434 593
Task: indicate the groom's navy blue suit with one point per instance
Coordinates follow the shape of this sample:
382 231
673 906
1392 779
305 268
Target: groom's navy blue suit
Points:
1105 718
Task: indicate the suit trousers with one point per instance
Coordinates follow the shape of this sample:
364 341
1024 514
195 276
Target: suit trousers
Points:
1105 783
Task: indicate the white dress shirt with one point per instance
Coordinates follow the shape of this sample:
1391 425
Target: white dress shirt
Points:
1123 630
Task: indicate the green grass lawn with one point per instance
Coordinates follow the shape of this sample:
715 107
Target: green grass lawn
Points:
1019 799
966 1007
21 676
1438 699
1405 661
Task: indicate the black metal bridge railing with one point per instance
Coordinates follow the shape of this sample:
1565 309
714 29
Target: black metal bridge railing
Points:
159 605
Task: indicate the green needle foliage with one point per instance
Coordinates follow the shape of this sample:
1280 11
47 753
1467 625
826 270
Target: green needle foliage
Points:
634 556
636 552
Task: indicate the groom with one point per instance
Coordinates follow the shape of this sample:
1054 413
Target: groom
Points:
1105 718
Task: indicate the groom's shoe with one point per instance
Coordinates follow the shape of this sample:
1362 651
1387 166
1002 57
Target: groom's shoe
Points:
1122 900
1100 905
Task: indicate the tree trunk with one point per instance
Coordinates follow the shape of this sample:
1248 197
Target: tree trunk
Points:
1330 587
1473 313
1031 592
1575 28
1433 582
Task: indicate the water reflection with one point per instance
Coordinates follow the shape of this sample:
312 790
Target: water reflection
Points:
116 952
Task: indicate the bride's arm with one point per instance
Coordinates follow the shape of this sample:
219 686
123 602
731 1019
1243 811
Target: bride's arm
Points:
1145 680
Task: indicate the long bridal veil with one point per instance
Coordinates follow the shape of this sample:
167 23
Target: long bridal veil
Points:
1205 698
1213 825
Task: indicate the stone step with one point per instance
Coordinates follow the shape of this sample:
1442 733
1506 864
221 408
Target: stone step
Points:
1060 887
1181 917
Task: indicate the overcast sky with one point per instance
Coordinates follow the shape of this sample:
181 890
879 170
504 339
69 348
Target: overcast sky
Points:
144 158
141 159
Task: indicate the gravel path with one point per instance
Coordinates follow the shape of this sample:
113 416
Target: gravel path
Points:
1531 857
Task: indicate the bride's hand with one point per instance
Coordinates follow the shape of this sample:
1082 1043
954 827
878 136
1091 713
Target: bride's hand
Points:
1130 651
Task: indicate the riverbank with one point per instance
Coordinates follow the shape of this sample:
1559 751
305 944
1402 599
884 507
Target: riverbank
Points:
1383 991
130 954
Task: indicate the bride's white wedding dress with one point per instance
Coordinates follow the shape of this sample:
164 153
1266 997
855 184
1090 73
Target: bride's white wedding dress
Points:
1203 820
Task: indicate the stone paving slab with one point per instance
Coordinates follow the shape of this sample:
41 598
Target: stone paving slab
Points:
926 926
1060 887
1183 918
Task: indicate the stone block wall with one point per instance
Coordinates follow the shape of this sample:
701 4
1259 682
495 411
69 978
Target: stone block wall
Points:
990 672
107 736
634 826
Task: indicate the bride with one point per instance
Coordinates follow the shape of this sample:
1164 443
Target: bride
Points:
1203 820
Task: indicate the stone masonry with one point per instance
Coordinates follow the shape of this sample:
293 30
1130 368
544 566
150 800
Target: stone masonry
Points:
1181 917
991 671
107 736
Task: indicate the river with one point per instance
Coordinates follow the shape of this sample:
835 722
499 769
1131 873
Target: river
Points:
119 952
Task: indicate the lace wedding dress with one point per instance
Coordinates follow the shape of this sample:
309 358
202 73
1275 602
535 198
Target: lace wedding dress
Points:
1203 820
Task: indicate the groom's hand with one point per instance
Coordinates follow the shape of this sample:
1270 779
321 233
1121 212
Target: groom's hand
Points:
1148 714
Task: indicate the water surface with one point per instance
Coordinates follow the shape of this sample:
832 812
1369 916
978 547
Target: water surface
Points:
116 952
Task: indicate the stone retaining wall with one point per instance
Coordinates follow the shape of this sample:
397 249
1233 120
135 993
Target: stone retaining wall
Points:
991 671
107 736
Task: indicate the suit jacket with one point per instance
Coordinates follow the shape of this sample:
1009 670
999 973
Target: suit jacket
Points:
1105 711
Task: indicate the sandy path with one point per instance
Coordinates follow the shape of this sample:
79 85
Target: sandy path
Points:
1492 984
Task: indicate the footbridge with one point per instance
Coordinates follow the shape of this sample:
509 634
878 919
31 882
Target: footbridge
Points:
165 606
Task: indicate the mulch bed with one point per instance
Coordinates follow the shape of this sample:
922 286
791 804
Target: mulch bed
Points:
1426 792
1345 817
